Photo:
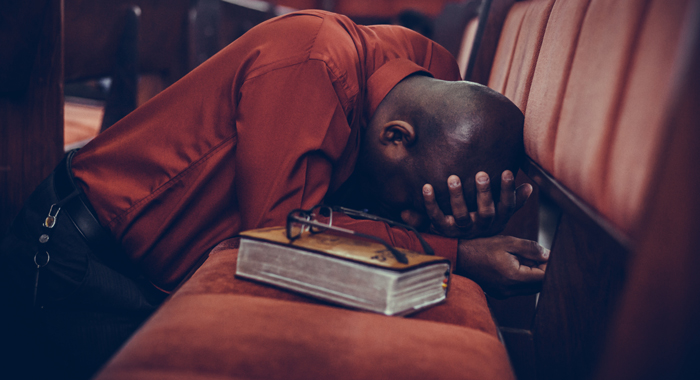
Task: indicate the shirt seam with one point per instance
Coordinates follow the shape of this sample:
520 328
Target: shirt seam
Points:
295 60
160 189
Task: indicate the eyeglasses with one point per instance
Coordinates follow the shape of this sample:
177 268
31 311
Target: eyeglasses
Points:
320 218
359 214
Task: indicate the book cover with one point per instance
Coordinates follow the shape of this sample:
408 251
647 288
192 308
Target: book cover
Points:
344 270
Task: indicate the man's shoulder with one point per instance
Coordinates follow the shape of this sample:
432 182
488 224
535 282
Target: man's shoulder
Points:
303 35
298 16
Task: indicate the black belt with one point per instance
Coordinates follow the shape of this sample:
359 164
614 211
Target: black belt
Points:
83 216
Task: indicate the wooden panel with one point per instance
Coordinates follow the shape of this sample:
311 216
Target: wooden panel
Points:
31 116
387 8
481 60
237 19
584 279
451 23
93 30
81 121
519 343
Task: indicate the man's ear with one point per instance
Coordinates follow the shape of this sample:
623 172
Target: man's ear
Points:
397 132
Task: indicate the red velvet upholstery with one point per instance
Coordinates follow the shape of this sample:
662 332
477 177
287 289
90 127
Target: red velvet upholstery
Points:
219 327
612 114
637 145
592 78
592 113
466 304
657 335
551 73
519 48
506 46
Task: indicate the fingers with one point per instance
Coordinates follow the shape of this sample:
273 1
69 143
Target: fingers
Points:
521 276
457 202
527 277
486 209
522 193
504 266
506 207
488 219
431 206
528 273
528 249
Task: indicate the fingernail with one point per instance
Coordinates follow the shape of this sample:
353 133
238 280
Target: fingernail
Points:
427 190
454 182
482 179
508 176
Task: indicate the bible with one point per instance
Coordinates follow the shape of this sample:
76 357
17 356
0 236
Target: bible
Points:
344 270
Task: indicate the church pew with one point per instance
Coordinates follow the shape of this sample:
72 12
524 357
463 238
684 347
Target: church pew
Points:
92 34
596 82
610 99
216 326
31 99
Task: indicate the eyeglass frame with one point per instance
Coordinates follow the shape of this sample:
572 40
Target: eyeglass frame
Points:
398 255
427 249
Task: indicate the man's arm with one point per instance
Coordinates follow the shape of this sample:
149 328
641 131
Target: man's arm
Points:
503 266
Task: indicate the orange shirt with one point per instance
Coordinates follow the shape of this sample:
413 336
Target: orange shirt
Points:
269 124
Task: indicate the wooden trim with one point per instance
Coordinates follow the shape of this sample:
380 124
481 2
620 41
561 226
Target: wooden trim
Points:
484 11
31 114
585 277
572 204
483 56
582 287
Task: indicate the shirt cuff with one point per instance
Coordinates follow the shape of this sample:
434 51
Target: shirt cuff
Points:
444 247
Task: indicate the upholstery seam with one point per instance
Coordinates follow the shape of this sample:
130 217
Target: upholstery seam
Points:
531 74
569 65
295 60
512 54
616 113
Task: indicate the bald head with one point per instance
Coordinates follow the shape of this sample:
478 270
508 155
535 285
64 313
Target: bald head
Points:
427 129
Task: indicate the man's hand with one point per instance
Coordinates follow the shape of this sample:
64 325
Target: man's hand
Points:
503 266
488 220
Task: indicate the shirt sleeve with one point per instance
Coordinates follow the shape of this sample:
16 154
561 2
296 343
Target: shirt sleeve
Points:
291 132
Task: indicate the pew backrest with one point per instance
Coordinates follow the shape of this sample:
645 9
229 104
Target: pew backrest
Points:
598 82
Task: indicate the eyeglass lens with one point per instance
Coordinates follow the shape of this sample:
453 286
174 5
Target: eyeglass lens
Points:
294 226
323 215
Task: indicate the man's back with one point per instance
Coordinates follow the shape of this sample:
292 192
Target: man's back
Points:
269 124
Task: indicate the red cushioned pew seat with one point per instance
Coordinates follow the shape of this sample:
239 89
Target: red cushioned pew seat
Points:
220 327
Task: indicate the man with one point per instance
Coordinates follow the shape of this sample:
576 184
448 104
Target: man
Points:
275 121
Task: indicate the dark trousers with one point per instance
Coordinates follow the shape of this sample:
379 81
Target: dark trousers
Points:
88 301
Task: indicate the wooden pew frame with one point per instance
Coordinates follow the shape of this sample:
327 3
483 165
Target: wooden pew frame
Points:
584 280
31 101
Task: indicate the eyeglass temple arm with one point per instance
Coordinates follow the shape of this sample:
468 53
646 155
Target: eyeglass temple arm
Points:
398 255
426 247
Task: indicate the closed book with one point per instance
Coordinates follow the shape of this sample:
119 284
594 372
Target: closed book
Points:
343 270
